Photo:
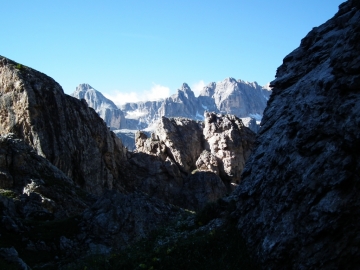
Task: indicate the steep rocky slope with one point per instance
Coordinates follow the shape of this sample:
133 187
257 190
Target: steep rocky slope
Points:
61 128
43 212
298 204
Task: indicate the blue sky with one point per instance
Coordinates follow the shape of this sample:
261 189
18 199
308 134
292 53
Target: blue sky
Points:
146 49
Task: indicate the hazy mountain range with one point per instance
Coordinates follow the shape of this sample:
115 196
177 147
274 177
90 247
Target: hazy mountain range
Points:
243 99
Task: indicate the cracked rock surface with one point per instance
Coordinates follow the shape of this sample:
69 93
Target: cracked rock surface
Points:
298 205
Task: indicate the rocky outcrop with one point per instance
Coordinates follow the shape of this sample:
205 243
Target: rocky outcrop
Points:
12 256
178 138
115 220
61 128
106 109
43 191
230 142
221 145
298 204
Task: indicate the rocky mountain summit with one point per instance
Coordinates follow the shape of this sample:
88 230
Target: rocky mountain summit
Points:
242 99
298 205
106 109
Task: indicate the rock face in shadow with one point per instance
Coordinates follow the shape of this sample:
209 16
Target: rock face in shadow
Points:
298 204
61 128
117 220
42 191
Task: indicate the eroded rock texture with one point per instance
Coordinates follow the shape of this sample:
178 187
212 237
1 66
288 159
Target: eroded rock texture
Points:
115 220
178 138
188 163
221 145
298 204
227 139
61 128
43 191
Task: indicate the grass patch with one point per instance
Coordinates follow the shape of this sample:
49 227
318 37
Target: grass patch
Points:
8 193
19 67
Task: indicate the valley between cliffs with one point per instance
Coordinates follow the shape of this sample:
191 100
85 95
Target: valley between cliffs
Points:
195 195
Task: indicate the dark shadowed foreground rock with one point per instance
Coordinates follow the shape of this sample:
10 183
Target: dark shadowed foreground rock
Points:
43 212
298 204
41 190
61 128
117 220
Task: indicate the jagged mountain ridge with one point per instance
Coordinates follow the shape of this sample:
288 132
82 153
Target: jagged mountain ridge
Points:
242 99
230 96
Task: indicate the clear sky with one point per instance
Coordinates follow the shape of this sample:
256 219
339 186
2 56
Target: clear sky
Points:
143 49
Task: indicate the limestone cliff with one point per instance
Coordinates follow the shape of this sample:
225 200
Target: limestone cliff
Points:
221 145
298 205
61 128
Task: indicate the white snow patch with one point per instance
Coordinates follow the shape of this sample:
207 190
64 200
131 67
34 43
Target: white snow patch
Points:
199 116
257 116
246 120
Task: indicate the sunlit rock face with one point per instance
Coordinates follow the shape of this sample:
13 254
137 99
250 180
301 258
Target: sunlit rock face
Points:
298 205
220 145
106 109
236 97
61 128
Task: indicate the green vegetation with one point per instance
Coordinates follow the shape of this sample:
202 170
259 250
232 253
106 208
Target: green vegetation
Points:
19 67
8 193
